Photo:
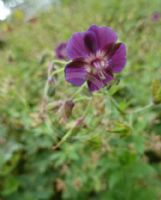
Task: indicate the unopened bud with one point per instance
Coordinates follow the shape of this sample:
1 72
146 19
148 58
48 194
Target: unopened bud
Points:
64 108
67 109
51 80
51 68
78 123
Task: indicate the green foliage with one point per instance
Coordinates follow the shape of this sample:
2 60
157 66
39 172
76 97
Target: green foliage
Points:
114 153
156 91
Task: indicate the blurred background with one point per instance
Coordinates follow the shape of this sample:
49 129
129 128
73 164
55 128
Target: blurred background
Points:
114 152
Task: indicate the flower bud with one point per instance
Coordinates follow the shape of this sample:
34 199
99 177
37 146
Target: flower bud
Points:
67 108
51 68
51 80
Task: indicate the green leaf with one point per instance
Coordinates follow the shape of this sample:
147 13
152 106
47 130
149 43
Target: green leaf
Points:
11 185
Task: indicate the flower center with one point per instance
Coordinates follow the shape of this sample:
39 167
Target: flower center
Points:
99 68
97 65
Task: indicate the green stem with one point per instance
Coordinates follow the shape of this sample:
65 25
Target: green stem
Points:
69 133
60 62
112 100
52 74
78 91
143 108
82 98
116 104
57 71
65 137
46 90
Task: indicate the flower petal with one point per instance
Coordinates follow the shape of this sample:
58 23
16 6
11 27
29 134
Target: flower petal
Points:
104 35
76 47
111 49
95 83
118 60
60 50
75 73
90 41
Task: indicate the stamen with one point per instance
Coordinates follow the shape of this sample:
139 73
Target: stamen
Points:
102 64
88 69
97 63
102 75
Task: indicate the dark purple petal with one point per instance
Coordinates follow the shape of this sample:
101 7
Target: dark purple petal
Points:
76 47
110 49
60 51
90 41
95 83
104 35
118 60
75 73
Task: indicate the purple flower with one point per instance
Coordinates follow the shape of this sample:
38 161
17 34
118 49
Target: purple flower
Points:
95 57
156 16
60 51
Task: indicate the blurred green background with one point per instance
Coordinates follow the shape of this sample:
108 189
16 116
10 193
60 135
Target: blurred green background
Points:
114 153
